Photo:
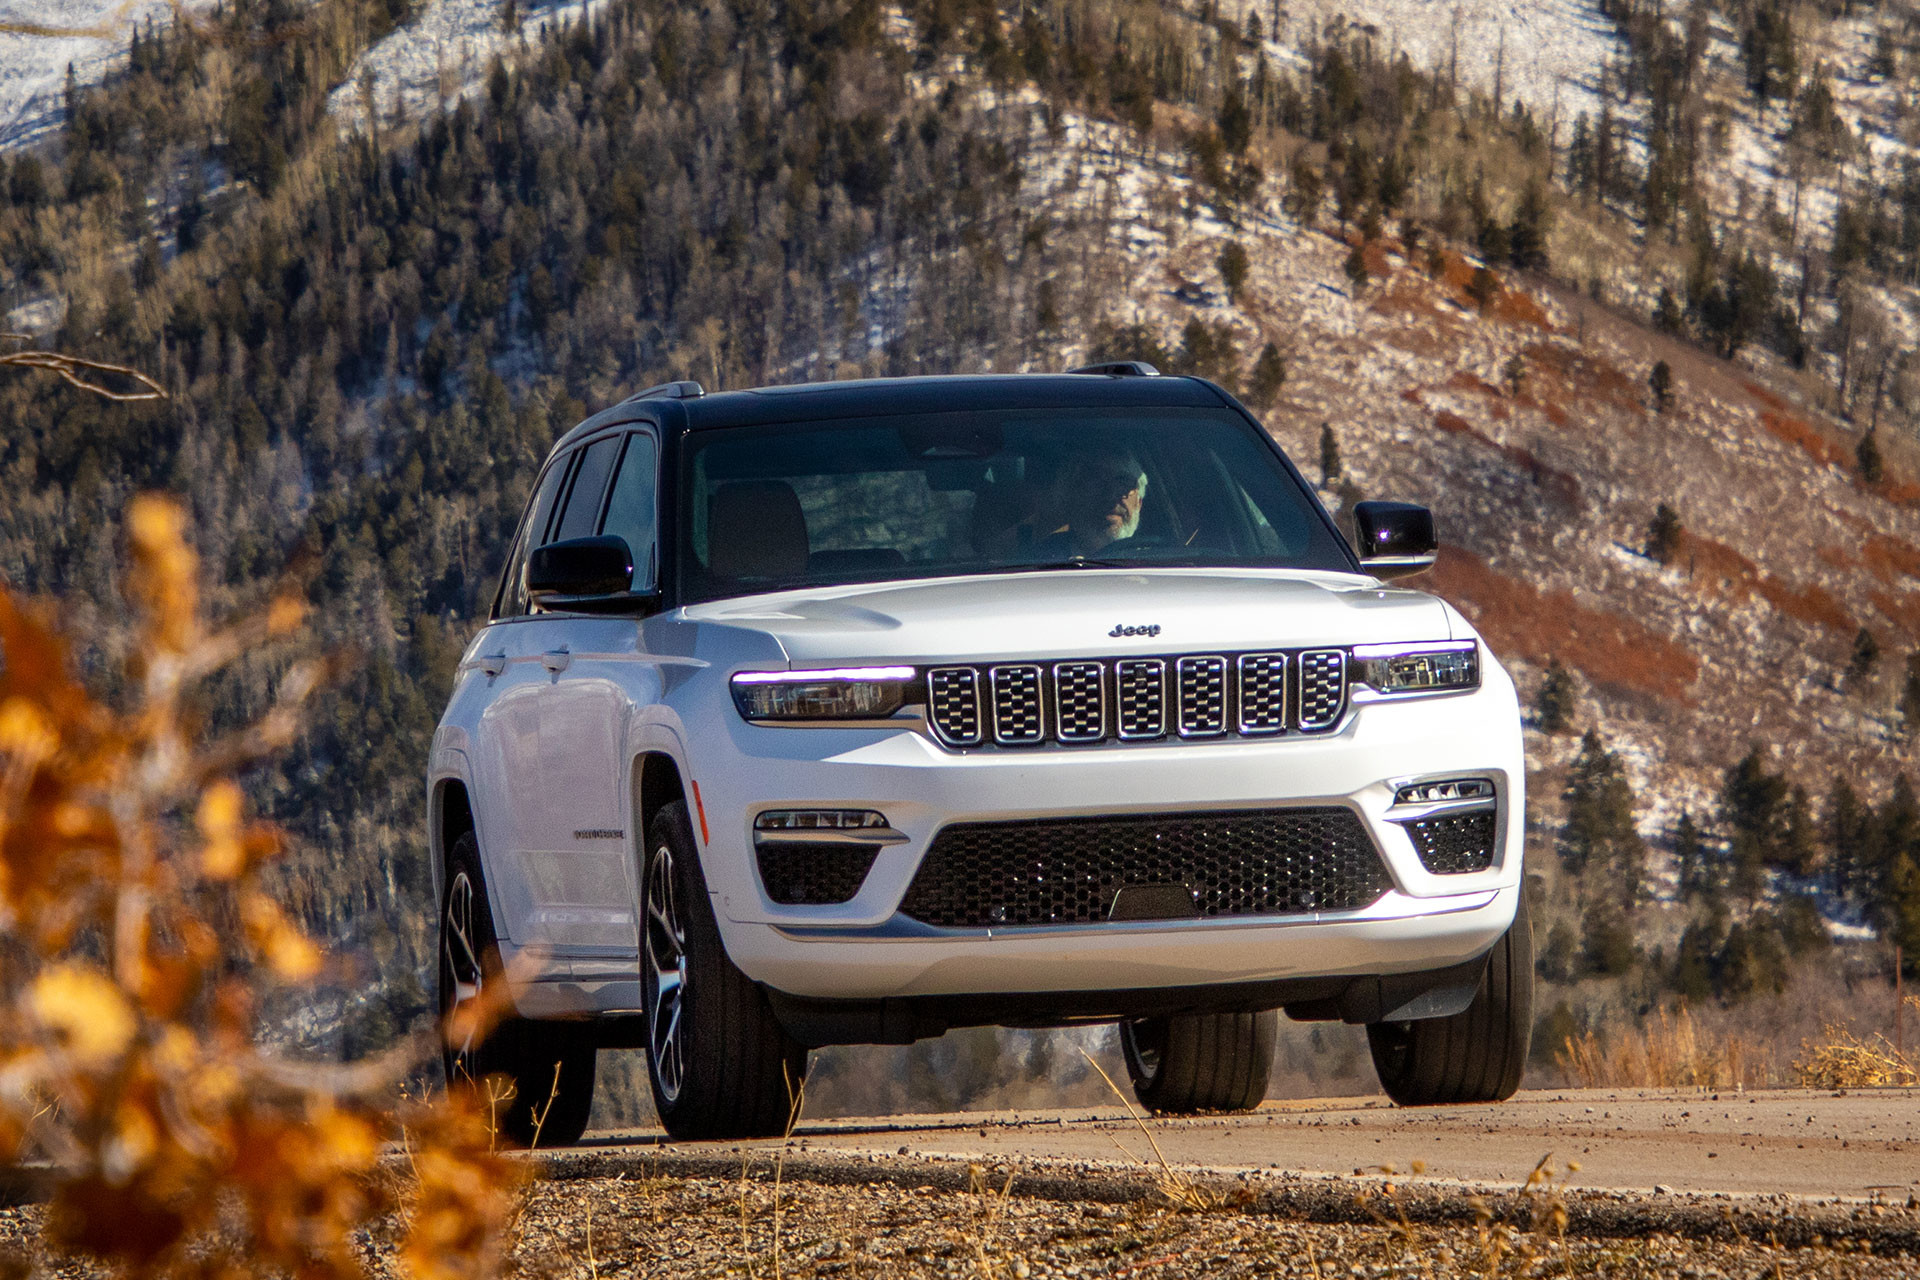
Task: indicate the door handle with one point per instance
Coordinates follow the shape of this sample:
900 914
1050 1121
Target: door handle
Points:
492 663
556 660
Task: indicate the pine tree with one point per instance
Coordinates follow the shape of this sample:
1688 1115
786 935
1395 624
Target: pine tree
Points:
1845 828
1667 316
1866 655
1356 268
1753 807
1691 864
1600 835
1233 269
1910 696
1664 532
1867 454
1527 231
1660 380
1329 456
1268 376
1553 707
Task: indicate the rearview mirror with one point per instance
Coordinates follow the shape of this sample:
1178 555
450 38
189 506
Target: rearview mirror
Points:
590 575
1394 538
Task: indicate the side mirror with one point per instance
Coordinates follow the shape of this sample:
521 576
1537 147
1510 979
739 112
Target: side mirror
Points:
584 574
1395 538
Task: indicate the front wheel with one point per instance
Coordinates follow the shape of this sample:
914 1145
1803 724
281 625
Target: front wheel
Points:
719 1062
1198 1062
1478 1054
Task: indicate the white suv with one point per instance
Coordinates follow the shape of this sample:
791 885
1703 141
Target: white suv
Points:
850 713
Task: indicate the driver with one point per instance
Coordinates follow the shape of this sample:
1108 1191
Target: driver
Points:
1099 495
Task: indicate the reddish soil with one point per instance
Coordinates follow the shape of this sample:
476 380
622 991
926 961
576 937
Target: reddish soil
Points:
1563 488
1825 451
1718 570
1518 619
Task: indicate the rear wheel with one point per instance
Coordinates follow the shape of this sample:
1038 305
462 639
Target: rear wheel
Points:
1478 1054
720 1063
541 1072
1200 1062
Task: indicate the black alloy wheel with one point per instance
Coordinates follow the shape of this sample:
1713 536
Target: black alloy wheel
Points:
719 1062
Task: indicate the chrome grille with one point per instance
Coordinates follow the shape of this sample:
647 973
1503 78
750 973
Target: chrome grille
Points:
1323 687
1080 702
1263 692
1143 697
1203 696
1092 700
1016 704
953 704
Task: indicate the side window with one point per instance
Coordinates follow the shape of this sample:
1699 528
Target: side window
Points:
589 486
631 509
511 601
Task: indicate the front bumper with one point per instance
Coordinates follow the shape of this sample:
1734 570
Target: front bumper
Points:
863 949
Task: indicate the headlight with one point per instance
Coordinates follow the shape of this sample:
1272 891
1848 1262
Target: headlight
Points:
1440 667
854 693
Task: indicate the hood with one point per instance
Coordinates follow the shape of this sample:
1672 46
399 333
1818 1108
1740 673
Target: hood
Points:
1076 613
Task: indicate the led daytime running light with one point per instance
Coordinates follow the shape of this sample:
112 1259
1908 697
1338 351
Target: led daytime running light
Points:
1408 669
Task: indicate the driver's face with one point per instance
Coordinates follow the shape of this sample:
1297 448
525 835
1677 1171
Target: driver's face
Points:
1110 504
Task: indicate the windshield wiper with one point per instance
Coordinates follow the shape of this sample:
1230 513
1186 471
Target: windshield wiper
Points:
1075 562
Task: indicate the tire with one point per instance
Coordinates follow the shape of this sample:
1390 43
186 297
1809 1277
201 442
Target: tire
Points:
719 1062
542 1072
1478 1054
1200 1062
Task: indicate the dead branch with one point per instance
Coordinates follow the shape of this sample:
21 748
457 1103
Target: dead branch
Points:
74 368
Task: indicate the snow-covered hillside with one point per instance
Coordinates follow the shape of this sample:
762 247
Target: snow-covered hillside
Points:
441 56
39 39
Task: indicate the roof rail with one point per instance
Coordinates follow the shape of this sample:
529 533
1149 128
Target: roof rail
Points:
687 390
1120 369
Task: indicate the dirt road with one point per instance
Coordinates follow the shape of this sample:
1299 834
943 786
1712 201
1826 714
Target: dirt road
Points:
1802 1144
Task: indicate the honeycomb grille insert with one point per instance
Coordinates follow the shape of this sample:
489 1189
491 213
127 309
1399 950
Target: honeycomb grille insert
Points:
1080 702
814 874
1451 844
1017 715
953 702
1143 697
1066 871
1323 687
1263 692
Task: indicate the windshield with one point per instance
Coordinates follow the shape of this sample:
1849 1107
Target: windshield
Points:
932 495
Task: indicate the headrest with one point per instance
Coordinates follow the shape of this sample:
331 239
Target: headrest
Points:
755 529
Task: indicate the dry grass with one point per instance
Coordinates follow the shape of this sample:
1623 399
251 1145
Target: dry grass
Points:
1842 1060
1671 1052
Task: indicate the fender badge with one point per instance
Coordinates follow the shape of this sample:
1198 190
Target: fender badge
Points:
599 833
1124 630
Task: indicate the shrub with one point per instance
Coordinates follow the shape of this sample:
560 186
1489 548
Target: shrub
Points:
140 939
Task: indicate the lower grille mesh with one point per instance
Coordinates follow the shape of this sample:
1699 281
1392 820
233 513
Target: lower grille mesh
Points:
812 875
1067 870
1453 843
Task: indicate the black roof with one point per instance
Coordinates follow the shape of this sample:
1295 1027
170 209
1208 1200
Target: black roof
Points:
868 397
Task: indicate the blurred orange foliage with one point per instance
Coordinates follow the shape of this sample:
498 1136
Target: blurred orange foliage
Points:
136 943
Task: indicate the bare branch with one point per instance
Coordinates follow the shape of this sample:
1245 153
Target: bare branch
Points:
73 368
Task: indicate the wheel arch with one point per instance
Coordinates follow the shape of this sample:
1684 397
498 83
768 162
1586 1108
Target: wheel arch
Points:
657 783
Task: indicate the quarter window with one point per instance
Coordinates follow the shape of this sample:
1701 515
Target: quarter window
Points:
589 486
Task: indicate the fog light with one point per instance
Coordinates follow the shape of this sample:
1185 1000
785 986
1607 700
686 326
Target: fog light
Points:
818 820
1451 789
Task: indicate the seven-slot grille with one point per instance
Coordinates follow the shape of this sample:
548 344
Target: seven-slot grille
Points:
1066 871
1196 696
